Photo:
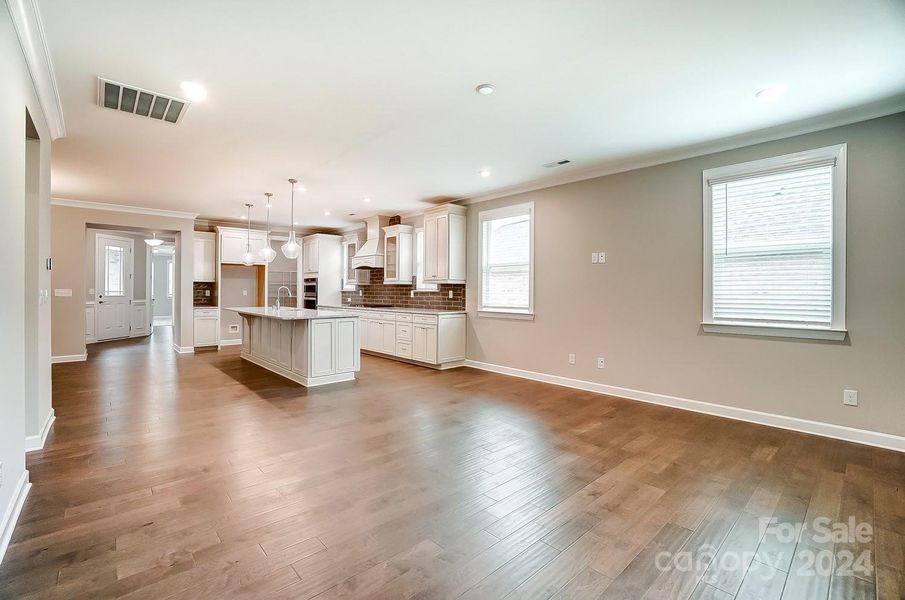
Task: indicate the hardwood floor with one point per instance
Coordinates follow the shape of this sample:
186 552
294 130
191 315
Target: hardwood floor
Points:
202 476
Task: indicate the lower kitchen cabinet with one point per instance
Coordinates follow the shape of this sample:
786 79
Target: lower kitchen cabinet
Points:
436 339
206 327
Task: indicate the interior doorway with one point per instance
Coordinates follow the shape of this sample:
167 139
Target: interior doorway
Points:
163 282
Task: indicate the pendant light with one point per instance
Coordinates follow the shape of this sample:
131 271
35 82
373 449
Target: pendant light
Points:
267 253
153 241
249 257
291 248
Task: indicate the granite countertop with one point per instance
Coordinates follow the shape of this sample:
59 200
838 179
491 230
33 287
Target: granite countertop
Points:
287 314
395 309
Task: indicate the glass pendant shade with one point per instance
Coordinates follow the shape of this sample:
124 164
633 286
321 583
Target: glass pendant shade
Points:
267 253
153 241
291 248
249 259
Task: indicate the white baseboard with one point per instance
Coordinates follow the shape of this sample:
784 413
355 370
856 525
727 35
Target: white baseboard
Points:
839 432
11 514
36 442
183 349
237 342
69 358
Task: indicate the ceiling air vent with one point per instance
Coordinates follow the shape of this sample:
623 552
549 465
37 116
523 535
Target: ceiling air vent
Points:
141 102
557 163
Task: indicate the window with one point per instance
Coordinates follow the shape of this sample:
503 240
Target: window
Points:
169 279
114 271
774 246
420 285
506 257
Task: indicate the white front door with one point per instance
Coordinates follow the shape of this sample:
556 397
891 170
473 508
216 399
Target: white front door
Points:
113 287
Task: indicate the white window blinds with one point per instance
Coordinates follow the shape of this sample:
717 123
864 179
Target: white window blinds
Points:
506 254
772 248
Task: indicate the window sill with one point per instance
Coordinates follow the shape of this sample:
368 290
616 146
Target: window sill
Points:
506 314
836 335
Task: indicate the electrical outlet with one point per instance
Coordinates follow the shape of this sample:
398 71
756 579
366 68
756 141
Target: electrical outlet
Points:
600 362
450 294
244 292
207 293
593 258
601 257
850 397
412 294
571 359
234 329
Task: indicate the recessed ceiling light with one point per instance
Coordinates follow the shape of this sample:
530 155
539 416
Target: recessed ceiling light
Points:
485 89
769 94
485 172
193 90
367 199
326 213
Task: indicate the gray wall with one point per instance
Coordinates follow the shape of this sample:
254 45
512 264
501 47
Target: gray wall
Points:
163 306
642 310
238 287
21 329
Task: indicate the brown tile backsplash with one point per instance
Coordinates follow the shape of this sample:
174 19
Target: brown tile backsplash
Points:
400 295
198 293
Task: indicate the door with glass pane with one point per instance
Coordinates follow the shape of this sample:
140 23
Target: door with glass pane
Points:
113 287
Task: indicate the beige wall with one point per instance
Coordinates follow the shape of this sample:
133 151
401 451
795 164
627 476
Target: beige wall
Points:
21 329
70 226
642 310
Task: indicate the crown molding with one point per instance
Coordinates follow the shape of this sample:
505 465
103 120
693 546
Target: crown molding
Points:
139 210
27 20
883 108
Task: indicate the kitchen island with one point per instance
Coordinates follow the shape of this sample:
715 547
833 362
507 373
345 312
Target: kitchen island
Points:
310 347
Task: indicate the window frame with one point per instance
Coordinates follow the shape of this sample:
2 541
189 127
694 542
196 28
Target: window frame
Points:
500 213
787 162
420 284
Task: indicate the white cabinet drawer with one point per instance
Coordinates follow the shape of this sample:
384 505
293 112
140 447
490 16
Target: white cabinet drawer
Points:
427 319
404 317
206 312
403 349
403 332
383 316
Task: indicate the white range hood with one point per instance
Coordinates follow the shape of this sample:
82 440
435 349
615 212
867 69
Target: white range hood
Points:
370 255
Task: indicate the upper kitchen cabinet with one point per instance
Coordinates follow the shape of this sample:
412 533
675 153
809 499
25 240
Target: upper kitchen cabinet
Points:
397 253
444 244
234 241
205 253
353 277
322 256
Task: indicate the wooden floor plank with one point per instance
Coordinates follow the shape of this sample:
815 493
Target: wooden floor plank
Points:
208 477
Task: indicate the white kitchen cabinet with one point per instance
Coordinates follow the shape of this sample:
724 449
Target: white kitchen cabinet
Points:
353 277
206 327
205 256
310 256
444 244
435 339
424 343
397 254
234 241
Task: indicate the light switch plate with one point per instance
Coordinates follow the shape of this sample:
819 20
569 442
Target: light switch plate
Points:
601 257
571 359
593 258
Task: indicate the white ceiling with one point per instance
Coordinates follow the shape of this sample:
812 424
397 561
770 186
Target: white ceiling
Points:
376 98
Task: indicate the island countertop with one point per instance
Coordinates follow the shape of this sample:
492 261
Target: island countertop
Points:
288 314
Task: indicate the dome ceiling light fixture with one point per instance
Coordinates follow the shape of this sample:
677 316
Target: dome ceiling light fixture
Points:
153 241
291 247
485 89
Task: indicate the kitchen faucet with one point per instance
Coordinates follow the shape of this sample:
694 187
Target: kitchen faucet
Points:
279 291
